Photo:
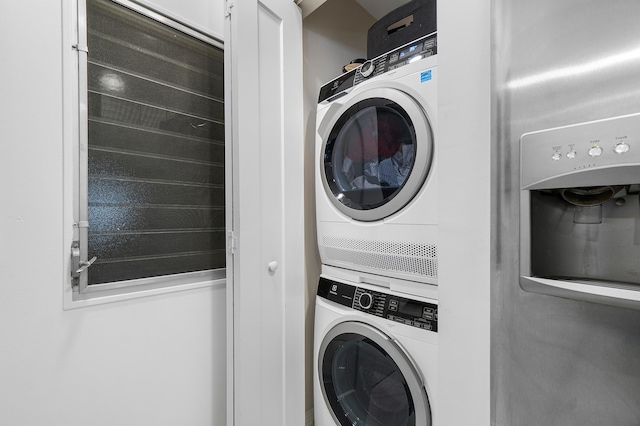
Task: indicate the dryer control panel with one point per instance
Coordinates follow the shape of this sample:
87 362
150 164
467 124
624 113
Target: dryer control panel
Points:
407 311
406 54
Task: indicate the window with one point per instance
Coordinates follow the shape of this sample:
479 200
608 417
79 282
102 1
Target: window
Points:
150 203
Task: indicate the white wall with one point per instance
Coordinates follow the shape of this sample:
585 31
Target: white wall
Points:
334 34
157 360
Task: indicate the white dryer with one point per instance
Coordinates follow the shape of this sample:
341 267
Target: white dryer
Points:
375 356
376 166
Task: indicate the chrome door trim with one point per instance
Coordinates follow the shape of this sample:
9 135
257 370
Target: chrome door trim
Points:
407 367
423 155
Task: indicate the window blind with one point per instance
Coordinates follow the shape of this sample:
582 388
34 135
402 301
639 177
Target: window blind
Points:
156 148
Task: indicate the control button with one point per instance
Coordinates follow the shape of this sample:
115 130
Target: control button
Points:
621 148
366 300
556 156
393 308
595 151
367 69
571 154
427 313
427 326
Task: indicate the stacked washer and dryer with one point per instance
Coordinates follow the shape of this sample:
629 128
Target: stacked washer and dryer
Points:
376 320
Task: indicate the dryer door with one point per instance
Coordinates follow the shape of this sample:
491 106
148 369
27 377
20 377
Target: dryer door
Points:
377 153
367 379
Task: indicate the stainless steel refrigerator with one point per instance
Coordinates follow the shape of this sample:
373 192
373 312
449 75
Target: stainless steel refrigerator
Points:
557 359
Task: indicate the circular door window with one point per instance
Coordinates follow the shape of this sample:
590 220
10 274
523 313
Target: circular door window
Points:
367 380
377 156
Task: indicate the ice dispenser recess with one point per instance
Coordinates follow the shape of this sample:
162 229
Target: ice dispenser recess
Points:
580 211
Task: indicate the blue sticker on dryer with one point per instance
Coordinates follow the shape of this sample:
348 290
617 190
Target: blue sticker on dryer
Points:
425 76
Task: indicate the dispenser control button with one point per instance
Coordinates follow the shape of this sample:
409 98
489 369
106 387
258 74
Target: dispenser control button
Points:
571 154
621 148
556 156
595 151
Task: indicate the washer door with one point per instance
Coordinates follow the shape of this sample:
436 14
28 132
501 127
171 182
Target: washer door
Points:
376 154
367 379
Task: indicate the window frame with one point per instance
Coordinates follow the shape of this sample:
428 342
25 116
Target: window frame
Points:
75 110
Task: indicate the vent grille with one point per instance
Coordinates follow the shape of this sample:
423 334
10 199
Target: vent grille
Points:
410 258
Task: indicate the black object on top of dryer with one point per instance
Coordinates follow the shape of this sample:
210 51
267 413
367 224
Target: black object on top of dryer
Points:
402 25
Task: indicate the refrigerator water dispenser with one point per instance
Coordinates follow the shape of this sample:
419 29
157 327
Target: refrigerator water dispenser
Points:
580 211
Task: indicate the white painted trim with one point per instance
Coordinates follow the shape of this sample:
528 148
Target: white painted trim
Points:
230 179
97 297
465 245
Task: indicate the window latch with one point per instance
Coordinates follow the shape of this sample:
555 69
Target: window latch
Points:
78 266
80 48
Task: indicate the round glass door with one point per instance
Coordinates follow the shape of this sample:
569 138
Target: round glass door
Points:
368 381
377 156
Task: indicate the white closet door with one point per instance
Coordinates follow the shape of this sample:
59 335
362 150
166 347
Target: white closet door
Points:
263 76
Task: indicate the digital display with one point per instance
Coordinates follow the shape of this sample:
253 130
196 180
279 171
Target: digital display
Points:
411 309
409 50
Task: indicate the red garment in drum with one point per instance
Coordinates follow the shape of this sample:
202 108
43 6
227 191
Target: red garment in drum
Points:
379 137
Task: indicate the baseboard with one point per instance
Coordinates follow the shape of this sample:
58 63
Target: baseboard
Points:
308 418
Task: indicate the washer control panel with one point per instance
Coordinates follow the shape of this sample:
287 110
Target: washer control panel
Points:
414 313
406 54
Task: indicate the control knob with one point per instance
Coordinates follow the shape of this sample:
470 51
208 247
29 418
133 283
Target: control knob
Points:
366 300
367 68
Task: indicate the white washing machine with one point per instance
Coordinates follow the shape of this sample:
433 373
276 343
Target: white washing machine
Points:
375 356
376 173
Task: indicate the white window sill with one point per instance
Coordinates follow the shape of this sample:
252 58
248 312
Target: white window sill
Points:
101 294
